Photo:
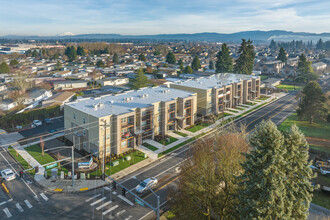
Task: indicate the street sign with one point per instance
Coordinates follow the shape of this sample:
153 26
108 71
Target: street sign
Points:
51 166
139 202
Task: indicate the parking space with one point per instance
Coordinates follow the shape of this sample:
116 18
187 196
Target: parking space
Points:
56 124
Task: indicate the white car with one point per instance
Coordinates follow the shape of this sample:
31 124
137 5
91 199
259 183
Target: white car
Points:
8 174
146 184
37 122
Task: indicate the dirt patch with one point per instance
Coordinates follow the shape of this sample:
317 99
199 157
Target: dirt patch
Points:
318 141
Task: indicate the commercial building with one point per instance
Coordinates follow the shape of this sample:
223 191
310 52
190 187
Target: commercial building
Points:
217 92
124 121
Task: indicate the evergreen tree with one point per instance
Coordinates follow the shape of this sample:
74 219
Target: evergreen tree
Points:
181 68
320 45
188 69
34 53
282 55
142 57
71 53
244 64
312 104
140 80
196 64
13 62
58 65
305 70
4 68
224 62
272 45
157 53
56 56
100 63
115 58
180 62
80 51
262 189
170 58
298 196
211 65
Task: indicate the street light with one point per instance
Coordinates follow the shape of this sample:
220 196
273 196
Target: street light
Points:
157 196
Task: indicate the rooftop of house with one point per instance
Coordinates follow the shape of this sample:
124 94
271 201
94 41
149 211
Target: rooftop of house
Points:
215 81
70 81
127 102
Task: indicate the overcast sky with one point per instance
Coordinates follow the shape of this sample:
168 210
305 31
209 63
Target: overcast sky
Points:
55 17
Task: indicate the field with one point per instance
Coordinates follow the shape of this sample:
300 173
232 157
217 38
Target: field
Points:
289 87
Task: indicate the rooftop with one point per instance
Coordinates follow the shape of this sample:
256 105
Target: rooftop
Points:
215 81
127 102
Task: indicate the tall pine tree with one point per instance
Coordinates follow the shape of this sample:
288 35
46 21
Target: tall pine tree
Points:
170 58
244 64
224 62
196 64
282 55
115 58
140 80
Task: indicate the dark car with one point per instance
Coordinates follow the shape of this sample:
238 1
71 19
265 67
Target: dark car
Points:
47 121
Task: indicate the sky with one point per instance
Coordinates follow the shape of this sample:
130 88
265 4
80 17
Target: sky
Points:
55 17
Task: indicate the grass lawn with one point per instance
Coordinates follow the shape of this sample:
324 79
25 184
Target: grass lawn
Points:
263 77
172 139
289 87
239 108
198 127
180 133
149 146
319 129
322 199
252 103
263 98
320 148
232 111
21 160
35 152
136 157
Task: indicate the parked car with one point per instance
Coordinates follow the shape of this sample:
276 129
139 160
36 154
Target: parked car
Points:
146 184
37 122
47 121
8 174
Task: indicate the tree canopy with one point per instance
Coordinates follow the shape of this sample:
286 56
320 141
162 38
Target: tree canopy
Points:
115 58
71 53
80 51
188 69
282 55
100 63
196 64
244 63
224 62
13 62
211 65
4 68
170 58
142 57
305 70
140 80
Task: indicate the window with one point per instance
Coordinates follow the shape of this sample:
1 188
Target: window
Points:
84 120
172 115
130 120
123 120
144 123
74 116
124 143
84 146
84 132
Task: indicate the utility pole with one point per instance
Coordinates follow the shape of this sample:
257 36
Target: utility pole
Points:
72 155
104 147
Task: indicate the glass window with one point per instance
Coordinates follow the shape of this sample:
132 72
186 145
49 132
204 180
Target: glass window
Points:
124 143
74 116
123 120
144 123
84 121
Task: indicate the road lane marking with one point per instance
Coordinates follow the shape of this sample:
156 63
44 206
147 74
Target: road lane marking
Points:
126 200
44 196
98 201
10 200
115 193
120 212
129 217
109 210
36 197
87 200
19 207
3 203
7 212
103 205
28 203
107 188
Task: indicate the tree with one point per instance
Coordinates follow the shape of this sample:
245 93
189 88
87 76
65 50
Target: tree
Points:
157 53
58 65
305 69
21 83
244 63
312 104
320 45
188 69
42 146
170 58
142 57
4 68
100 63
298 168
262 189
181 68
80 51
180 62
211 65
13 62
282 55
208 183
272 45
106 51
196 64
224 62
35 53
140 80
115 58
71 53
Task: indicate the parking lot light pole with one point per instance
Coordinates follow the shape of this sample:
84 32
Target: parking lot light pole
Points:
157 196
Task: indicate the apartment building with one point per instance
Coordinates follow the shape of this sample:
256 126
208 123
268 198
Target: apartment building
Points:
217 92
123 121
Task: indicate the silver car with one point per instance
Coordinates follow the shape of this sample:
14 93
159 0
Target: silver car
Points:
147 183
8 174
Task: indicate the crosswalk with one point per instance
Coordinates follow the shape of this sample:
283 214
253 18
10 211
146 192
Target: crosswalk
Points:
11 206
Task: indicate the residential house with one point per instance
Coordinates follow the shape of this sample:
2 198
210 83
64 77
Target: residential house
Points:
114 81
66 85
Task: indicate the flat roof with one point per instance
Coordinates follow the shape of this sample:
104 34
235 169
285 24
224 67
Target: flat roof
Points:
215 81
127 102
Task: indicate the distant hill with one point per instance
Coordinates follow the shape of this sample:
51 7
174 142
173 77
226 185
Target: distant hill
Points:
256 36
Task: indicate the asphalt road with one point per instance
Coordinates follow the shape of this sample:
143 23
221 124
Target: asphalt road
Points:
95 204
57 124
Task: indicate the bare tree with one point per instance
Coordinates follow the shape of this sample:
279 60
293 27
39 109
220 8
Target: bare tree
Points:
21 82
42 145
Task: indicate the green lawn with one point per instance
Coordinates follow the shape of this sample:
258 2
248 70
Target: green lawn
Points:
252 103
150 147
321 199
320 148
136 157
319 129
263 98
21 160
232 111
180 133
263 77
239 108
172 139
289 87
198 127
35 152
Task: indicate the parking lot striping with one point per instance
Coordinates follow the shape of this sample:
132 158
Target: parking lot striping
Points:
126 200
153 211
109 210
19 207
87 200
3 203
120 212
98 201
44 196
28 204
103 205
115 193
36 197
17 173
9 200
7 212
107 188
129 217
